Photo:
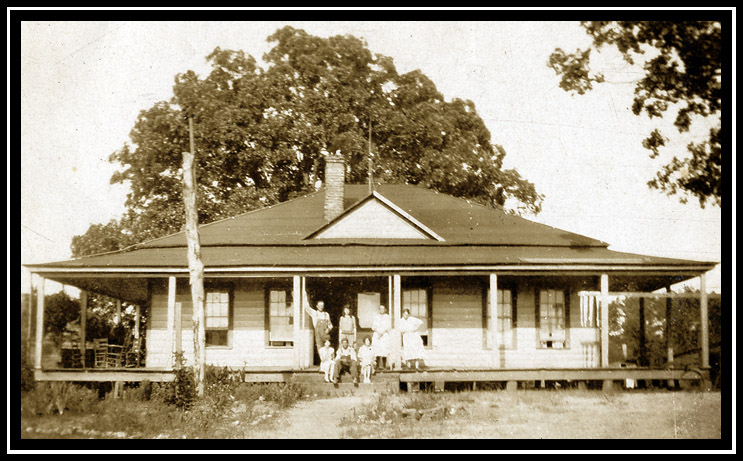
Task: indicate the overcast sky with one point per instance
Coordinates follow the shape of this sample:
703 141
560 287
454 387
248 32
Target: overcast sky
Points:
83 85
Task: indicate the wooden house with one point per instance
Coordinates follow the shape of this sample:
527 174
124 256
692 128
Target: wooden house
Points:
497 292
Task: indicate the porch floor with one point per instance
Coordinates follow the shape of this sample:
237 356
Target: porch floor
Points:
437 376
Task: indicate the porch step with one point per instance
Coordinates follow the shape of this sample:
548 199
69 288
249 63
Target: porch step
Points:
347 388
319 378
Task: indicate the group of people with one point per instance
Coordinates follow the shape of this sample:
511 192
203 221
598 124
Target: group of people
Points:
373 354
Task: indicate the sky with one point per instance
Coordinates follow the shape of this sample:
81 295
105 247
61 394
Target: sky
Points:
84 83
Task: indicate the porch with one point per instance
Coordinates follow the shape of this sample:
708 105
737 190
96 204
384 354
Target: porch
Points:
482 326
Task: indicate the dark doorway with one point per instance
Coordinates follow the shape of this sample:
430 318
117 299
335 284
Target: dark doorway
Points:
339 292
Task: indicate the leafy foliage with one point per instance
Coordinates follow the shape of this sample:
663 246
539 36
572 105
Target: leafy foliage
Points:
685 324
684 74
261 136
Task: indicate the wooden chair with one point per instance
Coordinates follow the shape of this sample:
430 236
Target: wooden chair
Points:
76 357
115 356
132 353
100 348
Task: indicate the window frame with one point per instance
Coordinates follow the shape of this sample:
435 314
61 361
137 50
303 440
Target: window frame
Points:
220 287
424 285
538 319
486 319
289 290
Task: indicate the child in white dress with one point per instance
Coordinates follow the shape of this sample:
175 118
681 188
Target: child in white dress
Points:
366 358
327 356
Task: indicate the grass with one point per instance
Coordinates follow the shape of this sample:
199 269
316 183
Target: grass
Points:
226 411
541 414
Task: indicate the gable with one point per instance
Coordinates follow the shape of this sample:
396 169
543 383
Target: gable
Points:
374 219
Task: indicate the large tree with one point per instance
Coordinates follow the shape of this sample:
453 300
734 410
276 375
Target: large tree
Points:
682 62
261 135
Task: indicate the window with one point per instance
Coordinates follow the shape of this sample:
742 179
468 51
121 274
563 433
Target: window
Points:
507 316
552 315
280 318
416 300
217 314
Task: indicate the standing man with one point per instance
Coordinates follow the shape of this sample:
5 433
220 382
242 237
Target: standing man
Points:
321 322
346 361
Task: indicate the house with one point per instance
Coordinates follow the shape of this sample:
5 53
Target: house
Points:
496 291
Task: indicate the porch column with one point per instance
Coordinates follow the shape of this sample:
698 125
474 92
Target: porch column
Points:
604 320
178 328
171 318
137 319
296 323
493 316
117 321
83 326
704 320
396 338
29 316
669 328
642 355
39 322
307 343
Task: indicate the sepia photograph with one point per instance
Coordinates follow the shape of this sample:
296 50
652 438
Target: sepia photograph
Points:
370 226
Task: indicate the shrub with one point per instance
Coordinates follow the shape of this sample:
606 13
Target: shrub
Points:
27 372
58 397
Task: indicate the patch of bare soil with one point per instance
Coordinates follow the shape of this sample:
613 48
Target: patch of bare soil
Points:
311 419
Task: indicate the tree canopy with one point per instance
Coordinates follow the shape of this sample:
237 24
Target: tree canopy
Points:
261 135
683 73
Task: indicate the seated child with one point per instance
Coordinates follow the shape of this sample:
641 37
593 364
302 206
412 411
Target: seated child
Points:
366 359
326 360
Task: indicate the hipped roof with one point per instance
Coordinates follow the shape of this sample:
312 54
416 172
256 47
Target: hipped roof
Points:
472 234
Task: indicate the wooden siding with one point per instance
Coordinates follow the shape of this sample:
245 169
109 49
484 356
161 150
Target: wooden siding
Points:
247 338
456 327
457 336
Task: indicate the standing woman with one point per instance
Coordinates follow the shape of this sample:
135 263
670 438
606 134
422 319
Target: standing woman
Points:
347 327
381 337
321 322
412 344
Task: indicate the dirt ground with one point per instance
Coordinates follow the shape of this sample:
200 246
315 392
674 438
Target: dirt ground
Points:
520 415
481 415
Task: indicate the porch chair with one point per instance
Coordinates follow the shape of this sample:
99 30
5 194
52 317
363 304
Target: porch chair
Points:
100 351
132 352
115 356
76 357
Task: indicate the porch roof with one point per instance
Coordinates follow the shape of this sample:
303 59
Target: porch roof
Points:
356 255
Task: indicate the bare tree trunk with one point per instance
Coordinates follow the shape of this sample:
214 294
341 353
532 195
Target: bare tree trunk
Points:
195 266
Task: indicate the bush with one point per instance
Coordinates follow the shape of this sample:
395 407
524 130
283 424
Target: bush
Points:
27 372
49 398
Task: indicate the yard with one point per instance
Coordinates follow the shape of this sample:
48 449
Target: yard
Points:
261 413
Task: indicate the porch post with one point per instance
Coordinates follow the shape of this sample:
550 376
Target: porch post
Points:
137 319
604 320
118 312
39 322
83 326
669 328
642 359
297 312
177 326
396 315
493 339
704 320
307 339
171 318
29 316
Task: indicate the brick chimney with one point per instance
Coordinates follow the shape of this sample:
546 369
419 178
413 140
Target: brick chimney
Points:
335 179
